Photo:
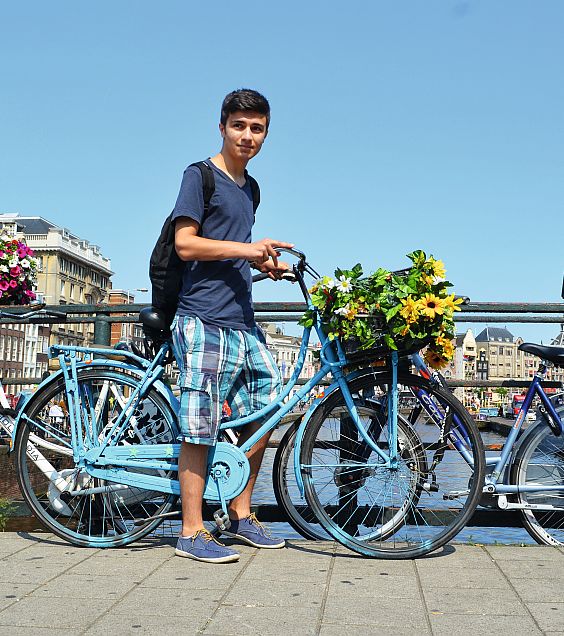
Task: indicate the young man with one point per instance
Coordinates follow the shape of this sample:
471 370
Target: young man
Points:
220 350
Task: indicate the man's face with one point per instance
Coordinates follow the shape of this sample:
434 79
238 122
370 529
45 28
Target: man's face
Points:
243 134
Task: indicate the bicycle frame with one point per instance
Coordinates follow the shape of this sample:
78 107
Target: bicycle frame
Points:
499 462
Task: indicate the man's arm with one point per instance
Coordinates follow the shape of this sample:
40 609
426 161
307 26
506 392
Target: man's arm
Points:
191 247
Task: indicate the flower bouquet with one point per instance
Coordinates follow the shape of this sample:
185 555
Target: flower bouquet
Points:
389 311
18 272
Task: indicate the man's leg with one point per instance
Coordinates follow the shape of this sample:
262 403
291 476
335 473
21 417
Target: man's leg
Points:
195 542
257 387
240 507
191 475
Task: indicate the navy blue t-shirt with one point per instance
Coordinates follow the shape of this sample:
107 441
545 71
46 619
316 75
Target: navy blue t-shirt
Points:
217 292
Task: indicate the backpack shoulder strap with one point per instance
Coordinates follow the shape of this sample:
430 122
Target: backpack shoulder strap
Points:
255 191
208 181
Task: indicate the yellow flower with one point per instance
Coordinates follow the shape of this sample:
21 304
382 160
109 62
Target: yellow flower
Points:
431 306
428 280
452 303
438 268
410 309
434 360
448 349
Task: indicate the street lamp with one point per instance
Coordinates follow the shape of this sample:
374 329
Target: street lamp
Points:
142 290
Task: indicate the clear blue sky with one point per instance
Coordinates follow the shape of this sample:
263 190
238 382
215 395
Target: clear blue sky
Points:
433 124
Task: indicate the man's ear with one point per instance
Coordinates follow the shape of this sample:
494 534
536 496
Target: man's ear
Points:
222 130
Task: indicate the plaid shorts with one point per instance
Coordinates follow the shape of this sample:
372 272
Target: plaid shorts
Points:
217 365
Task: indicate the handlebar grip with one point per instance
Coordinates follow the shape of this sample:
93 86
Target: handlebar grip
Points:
465 299
291 250
259 277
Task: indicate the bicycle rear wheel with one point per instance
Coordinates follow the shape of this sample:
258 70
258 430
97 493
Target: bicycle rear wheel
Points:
75 506
393 513
540 462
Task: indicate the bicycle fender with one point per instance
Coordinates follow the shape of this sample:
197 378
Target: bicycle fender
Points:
21 406
314 406
160 386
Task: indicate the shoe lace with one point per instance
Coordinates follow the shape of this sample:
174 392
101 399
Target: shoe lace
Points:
206 536
253 519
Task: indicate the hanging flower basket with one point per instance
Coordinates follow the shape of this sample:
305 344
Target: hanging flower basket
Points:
388 311
18 272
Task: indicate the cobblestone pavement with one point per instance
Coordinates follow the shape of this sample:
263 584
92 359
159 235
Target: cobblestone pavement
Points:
49 587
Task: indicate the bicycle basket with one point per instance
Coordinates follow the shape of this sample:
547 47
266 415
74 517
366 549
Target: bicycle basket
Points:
357 351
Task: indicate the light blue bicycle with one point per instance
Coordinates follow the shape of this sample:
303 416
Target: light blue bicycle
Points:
379 479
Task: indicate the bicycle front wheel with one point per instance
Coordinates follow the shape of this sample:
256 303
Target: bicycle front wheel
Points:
75 506
401 512
539 464
288 496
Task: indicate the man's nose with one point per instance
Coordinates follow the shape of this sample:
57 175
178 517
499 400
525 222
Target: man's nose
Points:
247 133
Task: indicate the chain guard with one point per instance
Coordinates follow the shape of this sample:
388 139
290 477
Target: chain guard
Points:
228 466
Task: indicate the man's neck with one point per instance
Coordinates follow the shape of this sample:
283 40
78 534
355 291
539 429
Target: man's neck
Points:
233 169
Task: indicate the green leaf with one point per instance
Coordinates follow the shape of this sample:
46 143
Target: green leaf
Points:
393 311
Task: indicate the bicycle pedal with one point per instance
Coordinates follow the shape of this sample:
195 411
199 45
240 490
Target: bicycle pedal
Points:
221 519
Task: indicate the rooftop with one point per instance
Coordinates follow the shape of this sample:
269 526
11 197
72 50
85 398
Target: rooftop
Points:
495 334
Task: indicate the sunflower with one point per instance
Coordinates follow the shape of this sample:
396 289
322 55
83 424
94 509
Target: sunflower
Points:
410 309
452 303
434 360
438 268
431 306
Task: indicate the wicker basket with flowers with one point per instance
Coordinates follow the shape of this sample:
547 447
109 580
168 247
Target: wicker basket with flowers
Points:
389 311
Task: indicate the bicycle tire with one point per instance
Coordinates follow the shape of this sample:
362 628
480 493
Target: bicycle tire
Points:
114 515
541 457
286 491
393 514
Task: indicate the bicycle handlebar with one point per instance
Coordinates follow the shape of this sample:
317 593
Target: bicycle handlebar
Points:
289 276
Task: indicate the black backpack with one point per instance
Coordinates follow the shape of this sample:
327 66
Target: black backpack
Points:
166 269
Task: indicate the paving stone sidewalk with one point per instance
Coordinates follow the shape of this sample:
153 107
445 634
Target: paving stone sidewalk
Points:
48 587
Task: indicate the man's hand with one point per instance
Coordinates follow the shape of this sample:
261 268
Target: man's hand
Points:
274 271
265 249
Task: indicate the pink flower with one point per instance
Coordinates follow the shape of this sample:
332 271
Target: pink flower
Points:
3 285
29 294
15 271
30 252
13 284
2 253
22 251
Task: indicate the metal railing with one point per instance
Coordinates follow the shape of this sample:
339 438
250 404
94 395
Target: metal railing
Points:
103 316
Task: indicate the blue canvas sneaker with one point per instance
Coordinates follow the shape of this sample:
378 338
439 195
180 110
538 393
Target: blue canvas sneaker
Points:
251 531
202 546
